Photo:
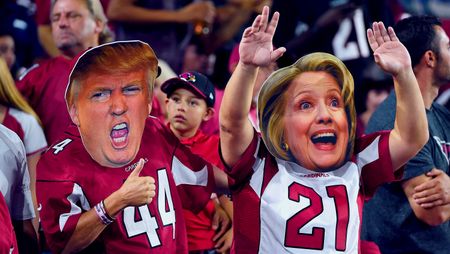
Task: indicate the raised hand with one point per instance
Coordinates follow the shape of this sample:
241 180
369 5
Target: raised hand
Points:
389 52
256 45
138 190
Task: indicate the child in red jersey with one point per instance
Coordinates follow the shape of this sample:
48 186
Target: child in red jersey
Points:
190 101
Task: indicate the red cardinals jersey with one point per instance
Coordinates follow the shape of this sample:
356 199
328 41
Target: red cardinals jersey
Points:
8 243
199 225
282 207
44 85
70 182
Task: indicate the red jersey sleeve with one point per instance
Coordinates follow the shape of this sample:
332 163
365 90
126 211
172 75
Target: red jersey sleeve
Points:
194 178
62 201
242 171
374 158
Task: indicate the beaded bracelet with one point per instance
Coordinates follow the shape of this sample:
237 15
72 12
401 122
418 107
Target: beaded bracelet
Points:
102 214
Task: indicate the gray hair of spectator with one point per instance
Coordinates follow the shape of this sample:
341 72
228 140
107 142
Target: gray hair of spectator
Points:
418 34
96 10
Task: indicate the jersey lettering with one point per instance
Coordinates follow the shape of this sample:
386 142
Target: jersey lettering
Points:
148 224
345 49
315 240
60 146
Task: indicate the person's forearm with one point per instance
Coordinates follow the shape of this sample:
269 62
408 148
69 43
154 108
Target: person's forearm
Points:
238 97
131 13
32 161
236 131
46 40
410 120
90 226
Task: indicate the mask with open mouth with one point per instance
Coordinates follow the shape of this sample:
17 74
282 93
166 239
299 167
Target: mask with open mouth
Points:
271 102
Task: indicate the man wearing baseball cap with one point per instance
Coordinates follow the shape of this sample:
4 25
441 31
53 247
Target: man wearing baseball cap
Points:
190 102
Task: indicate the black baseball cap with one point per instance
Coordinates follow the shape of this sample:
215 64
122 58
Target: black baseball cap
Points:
193 81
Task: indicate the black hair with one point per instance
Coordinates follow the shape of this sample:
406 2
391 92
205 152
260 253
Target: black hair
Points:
418 34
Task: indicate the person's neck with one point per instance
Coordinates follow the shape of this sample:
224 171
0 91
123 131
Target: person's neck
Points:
182 134
427 86
71 52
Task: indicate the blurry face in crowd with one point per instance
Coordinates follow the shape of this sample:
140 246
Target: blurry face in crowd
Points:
7 50
186 111
442 71
111 111
315 122
74 29
375 98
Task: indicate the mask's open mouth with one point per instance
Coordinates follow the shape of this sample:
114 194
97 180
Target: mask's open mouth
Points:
119 135
324 138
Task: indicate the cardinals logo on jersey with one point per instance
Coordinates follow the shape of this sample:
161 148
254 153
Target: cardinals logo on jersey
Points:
134 165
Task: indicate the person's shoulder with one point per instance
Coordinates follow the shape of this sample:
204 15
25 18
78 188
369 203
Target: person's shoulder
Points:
22 117
64 158
440 109
9 139
67 147
42 67
384 116
366 141
155 129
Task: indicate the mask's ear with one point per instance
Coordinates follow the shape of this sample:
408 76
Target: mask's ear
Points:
209 114
73 112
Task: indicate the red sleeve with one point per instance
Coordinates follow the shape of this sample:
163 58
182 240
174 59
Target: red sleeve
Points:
62 203
28 82
8 243
43 12
375 158
194 178
242 171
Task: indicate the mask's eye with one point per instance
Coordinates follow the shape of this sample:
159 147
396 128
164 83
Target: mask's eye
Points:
130 90
101 95
334 103
305 105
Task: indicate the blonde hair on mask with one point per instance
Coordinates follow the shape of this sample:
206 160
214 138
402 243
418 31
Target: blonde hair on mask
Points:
272 99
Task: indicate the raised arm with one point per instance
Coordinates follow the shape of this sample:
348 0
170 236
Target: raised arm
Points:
128 11
255 50
410 131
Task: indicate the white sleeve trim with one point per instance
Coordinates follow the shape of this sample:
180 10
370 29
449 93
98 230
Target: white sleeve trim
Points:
184 175
77 196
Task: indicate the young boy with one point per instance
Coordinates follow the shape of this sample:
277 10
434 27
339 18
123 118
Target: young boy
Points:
190 101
